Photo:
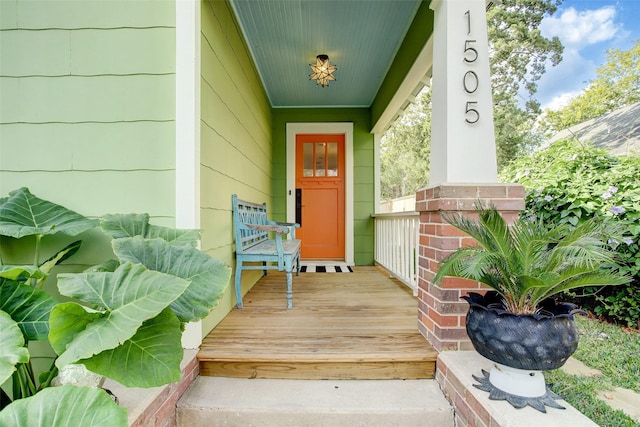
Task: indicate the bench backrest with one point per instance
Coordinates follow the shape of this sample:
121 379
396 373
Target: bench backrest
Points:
248 213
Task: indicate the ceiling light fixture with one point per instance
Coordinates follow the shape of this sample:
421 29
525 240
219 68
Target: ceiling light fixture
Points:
322 71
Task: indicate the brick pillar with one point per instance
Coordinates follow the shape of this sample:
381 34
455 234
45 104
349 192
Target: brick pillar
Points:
441 312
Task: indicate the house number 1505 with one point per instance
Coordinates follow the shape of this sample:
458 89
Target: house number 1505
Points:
470 80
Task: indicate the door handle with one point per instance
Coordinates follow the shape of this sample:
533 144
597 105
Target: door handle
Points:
299 206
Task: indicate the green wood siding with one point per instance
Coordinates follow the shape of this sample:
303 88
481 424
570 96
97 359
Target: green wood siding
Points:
88 104
236 152
87 112
363 162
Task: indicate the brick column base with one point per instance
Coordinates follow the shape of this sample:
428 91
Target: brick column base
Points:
441 312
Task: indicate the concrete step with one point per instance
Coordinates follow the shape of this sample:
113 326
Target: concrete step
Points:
217 401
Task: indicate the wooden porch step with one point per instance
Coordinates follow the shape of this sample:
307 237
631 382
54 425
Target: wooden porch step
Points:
361 325
403 356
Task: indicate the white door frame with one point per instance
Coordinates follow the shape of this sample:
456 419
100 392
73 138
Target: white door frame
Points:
323 128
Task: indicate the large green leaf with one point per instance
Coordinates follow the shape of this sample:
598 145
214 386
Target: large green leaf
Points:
107 266
23 214
126 298
21 273
209 277
28 306
67 320
149 359
131 225
120 225
174 235
12 350
63 407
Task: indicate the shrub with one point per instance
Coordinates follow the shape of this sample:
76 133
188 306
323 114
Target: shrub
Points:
571 182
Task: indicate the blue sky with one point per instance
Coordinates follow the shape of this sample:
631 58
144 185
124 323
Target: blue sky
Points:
587 29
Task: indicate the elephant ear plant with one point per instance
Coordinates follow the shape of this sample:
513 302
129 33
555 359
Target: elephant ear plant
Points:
124 321
24 305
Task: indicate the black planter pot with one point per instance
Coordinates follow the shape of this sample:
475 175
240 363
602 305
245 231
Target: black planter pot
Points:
536 342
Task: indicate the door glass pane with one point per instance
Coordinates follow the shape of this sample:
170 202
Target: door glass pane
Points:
332 159
307 153
320 159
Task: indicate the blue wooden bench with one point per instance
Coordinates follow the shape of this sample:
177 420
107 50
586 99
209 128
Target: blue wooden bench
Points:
253 244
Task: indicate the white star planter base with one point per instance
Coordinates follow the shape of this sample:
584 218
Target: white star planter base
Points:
518 387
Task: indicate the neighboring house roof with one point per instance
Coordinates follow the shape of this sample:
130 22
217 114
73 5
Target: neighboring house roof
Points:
617 131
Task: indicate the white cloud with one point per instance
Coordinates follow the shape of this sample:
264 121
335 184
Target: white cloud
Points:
565 80
577 29
561 100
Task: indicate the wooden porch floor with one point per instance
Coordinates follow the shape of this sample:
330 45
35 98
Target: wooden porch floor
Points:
360 325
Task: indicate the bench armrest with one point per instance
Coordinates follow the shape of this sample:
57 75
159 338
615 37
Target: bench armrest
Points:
291 225
280 229
288 224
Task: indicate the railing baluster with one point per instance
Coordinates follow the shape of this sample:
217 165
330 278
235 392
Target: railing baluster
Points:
396 243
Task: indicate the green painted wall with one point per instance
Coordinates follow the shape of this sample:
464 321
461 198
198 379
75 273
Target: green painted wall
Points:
363 161
87 109
236 141
87 116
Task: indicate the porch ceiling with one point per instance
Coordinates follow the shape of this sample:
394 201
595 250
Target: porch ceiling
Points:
361 38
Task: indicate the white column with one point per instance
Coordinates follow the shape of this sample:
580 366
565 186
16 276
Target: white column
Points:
376 171
187 197
463 148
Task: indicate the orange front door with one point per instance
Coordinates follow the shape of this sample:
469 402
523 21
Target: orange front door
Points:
320 173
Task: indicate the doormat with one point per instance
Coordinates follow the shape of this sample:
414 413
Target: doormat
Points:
324 268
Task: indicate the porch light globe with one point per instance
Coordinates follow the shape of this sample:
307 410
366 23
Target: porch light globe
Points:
322 71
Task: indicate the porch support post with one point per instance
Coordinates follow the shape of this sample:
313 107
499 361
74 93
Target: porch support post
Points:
441 312
463 165
187 154
463 147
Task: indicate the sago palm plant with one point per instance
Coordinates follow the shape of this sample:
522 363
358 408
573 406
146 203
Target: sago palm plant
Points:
526 262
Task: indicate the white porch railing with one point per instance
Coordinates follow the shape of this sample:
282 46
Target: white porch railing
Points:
396 236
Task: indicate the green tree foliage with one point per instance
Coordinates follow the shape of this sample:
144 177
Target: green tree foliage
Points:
617 84
515 130
404 150
518 57
570 183
518 51
518 54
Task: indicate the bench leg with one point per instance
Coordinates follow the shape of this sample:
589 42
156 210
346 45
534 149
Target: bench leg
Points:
289 290
238 280
298 265
265 270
